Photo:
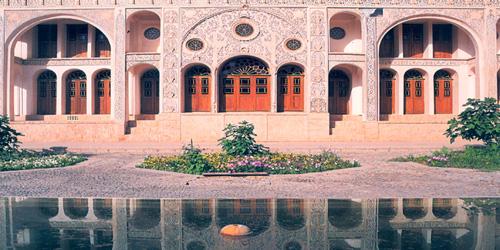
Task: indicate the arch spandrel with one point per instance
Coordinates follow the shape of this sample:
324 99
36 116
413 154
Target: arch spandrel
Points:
17 21
221 44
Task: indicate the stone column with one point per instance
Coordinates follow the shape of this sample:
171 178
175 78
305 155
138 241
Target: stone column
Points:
3 79
171 224
119 224
371 71
488 62
118 65
428 40
169 72
60 95
317 224
398 30
90 41
61 39
90 93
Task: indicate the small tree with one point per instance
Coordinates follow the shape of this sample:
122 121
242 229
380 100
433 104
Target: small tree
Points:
8 136
239 140
480 120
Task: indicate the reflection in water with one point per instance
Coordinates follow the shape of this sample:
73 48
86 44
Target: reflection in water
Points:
289 224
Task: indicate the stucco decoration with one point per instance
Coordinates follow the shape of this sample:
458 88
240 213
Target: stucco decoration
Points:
18 20
64 62
118 73
170 73
221 43
143 58
2 55
424 62
317 218
318 74
371 65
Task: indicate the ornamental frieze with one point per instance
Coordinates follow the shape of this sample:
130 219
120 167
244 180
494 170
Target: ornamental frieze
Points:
65 61
143 58
425 62
347 57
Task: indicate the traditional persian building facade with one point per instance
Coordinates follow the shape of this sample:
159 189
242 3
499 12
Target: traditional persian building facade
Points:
300 70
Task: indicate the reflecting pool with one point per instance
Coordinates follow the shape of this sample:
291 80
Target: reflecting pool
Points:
290 224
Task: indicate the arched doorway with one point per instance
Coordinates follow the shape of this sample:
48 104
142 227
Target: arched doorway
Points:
197 82
443 92
46 86
150 92
290 88
76 93
387 90
103 92
414 92
245 85
339 92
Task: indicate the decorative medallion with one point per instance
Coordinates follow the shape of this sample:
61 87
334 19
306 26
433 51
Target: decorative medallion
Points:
152 33
337 33
244 29
293 44
194 44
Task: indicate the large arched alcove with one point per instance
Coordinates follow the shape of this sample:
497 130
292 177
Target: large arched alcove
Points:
143 32
345 90
345 214
345 33
244 85
143 90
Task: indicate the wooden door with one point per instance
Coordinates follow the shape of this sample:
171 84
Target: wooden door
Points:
197 89
102 46
339 92
76 45
387 46
290 93
413 40
245 93
414 93
47 41
442 40
46 97
103 93
387 87
443 93
150 92
76 93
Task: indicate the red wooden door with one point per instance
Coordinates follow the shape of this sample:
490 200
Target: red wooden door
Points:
76 93
197 93
414 93
245 93
442 40
413 40
103 93
47 41
76 45
291 93
387 87
150 92
339 93
387 46
46 101
102 46
443 93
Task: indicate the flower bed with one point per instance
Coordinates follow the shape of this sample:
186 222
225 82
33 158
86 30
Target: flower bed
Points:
33 160
484 158
272 163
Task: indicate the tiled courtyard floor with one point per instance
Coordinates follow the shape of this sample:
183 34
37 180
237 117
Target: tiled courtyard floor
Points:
114 175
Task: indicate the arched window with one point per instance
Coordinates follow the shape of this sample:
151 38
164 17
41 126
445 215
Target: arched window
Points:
290 88
150 92
47 92
103 92
413 40
245 85
197 82
414 92
76 93
444 208
443 92
387 90
77 40
339 92
102 46
414 208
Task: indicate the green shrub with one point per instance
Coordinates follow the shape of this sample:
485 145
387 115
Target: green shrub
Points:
194 162
480 120
239 140
8 137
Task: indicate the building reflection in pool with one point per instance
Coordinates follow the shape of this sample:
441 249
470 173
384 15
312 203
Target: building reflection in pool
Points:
290 224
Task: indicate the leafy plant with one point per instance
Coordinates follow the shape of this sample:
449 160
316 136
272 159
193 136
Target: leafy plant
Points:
8 137
480 120
194 161
239 140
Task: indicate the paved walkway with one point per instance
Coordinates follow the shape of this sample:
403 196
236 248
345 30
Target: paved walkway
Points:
115 175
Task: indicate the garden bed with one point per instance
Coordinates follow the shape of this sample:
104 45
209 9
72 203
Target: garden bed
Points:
480 157
272 163
24 160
